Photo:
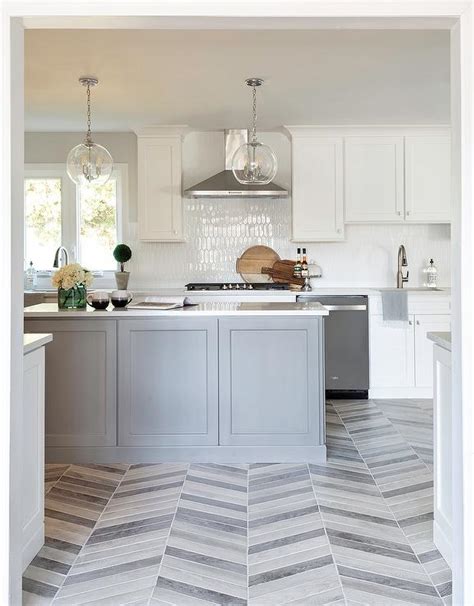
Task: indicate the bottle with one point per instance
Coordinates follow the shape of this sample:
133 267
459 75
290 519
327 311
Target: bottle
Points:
30 279
304 265
431 275
297 267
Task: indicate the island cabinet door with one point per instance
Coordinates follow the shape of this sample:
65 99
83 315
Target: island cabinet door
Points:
167 382
271 382
81 382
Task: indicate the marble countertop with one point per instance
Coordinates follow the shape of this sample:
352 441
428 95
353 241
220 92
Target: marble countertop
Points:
443 339
35 341
50 310
336 290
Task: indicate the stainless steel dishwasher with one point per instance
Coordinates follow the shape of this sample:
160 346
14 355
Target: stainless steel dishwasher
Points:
347 344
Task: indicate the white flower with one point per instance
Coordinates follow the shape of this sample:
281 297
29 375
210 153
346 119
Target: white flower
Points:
72 275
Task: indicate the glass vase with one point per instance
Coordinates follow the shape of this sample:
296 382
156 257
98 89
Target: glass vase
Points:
72 298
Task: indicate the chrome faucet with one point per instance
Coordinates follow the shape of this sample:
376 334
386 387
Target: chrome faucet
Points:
61 249
402 262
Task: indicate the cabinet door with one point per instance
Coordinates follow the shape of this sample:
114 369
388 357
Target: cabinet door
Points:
392 354
271 382
317 198
168 382
160 206
428 179
373 179
424 348
32 455
80 381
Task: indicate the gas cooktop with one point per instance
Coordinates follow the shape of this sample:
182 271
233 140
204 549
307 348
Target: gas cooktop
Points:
237 286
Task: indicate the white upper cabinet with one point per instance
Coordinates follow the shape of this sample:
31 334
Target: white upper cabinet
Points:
317 189
428 179
373 179
160 204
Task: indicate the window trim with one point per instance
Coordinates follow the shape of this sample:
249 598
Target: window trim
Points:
70 212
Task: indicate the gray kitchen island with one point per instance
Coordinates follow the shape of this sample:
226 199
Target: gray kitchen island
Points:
216 382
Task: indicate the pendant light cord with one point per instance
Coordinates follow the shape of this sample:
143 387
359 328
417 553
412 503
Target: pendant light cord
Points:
254 109
88 136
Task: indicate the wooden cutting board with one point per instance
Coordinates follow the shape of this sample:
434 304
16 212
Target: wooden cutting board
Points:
250 264
282 271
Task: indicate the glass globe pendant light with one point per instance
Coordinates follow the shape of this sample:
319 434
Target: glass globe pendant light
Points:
89 162
254 163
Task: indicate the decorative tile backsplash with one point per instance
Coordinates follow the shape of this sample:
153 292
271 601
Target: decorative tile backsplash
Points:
218 231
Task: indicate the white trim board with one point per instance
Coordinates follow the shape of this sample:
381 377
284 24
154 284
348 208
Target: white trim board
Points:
238 14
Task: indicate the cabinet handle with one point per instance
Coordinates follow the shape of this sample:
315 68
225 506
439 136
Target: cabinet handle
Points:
408 212
339 230
410 322
418 322
399 212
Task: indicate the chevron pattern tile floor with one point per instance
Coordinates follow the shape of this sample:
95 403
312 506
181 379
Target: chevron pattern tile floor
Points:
355 530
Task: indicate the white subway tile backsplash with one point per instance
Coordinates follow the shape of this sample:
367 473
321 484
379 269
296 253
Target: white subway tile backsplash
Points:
218 231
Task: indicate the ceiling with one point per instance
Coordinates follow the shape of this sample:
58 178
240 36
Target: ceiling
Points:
149 77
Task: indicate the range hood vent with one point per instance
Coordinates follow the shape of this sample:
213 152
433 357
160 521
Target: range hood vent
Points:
225 185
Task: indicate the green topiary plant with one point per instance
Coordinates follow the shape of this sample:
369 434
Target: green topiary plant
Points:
122 253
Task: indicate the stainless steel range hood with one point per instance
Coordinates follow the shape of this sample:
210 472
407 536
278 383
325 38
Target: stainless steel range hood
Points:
225 185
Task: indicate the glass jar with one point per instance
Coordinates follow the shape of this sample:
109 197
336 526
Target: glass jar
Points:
72 298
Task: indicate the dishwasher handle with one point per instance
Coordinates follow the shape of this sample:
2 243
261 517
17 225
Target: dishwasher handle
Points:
345 307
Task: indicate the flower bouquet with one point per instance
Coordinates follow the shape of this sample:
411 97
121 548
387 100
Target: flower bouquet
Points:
72 281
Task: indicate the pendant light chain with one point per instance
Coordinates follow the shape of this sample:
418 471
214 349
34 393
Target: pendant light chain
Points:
88 136
254 108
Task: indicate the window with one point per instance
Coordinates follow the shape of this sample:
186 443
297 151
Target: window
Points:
43 197
86 219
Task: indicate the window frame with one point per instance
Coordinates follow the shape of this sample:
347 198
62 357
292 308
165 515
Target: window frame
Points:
70 219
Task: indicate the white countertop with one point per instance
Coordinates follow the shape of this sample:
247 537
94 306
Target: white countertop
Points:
35 341
327 291
443 339
50 310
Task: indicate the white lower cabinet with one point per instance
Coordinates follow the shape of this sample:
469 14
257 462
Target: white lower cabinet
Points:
401 356
443 453
32 465
424 347
392 353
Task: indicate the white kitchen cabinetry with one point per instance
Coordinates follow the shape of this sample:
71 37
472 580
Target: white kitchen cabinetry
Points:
317 189
424 348
160 204
401 357
428 179
31 469
442 448
392 353
373 179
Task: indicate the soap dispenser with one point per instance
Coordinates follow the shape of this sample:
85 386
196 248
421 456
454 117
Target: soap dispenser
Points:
431 275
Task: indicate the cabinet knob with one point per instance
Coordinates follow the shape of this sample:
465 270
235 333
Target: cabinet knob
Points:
410 322
408 212
418 322
339 230
399 212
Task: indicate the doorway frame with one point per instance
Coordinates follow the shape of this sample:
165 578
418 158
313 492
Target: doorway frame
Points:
455 16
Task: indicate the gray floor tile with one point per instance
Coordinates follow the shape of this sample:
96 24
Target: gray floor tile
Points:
355 530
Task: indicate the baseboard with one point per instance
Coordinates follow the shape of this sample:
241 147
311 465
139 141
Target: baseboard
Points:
191 454
443 542
383 393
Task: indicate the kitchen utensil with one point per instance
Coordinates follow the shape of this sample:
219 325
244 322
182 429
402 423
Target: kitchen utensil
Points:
282 271
250 264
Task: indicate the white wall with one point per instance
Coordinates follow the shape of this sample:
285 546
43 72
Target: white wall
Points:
218 231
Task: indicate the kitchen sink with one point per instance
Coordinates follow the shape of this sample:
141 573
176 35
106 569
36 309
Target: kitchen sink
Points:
423 289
